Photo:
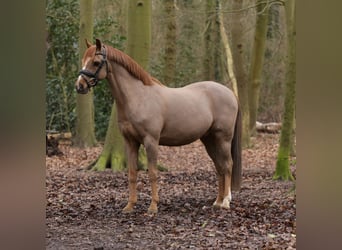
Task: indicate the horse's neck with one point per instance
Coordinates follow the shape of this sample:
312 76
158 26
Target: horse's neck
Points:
126 89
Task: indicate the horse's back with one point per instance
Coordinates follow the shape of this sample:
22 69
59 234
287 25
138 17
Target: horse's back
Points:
221 98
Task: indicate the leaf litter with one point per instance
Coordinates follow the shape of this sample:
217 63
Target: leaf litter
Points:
83 208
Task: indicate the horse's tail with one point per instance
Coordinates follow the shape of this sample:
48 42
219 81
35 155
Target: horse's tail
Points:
236 152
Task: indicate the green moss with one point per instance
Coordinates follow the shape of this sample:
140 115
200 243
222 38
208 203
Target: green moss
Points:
118 162
282 169
100 164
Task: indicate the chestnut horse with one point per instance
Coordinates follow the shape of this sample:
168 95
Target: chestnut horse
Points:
152 114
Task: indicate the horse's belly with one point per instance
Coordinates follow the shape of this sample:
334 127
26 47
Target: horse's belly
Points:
177 141
184 132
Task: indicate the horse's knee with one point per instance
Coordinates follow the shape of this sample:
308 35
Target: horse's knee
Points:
223 169
153 178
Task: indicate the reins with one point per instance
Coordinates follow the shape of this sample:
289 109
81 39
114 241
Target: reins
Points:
92 78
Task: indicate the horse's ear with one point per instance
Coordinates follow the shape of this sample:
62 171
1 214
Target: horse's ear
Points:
88 43
98 45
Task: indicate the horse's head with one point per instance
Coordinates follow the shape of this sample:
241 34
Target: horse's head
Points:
94 67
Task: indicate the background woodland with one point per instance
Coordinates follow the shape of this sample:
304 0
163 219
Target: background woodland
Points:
183 34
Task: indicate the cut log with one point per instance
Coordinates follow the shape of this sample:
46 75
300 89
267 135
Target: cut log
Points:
54 139
62 138
272 127
52 147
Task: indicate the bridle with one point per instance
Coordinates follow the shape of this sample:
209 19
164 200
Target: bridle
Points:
92 78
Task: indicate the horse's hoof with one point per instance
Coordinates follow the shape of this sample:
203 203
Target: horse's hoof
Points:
128 209
217 204
226 203
221 207
225 206
152 209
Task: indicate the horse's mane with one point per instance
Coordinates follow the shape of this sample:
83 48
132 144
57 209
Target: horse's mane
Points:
131 66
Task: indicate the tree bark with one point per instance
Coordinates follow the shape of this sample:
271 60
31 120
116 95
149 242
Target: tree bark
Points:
139 31
239 49
211 42
283 171
85 126
226 55
257 62
113 154
169 69
218 60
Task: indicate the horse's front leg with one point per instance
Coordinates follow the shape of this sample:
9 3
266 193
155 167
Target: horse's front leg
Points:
132 149
151 146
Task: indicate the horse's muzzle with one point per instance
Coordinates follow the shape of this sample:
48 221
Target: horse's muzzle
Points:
81 90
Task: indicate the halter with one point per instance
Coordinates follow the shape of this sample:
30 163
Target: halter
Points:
92 78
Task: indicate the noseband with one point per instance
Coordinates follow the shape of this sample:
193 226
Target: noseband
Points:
92 78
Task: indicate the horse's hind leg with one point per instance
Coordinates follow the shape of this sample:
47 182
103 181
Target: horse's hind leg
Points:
218 148
132 160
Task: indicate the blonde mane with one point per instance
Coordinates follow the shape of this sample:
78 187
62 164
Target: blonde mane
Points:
131 66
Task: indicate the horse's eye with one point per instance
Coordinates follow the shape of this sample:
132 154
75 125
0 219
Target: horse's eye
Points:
96 63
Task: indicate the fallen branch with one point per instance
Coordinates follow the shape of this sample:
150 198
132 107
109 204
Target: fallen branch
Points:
62 138
54 139
272 127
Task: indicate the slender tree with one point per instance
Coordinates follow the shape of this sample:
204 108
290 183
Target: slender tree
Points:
169 69
85 127
227 67
211 42
239 56
283 166
257 62
218 60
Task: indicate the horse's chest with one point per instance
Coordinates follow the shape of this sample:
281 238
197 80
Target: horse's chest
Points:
128 130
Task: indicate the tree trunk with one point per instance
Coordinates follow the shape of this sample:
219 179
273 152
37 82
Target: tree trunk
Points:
139 31
282 171
239 50
169 69
211 42
257 62
139 39
113 154
85 127
139 42
218 61
226 54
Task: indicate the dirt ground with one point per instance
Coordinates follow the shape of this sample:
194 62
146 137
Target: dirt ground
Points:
83 209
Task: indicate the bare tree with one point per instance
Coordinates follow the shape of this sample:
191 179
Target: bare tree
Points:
257 62
169 69
85 126
239 49
283 166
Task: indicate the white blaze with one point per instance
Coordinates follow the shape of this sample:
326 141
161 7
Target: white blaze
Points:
84 67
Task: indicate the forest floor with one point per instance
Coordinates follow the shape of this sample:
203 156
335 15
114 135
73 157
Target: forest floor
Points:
83 208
